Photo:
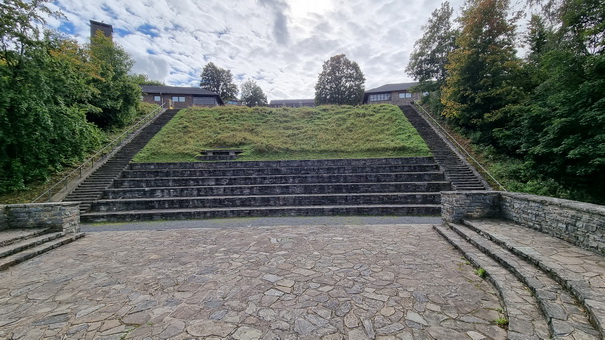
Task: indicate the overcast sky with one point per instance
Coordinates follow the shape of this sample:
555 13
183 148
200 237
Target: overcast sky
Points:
281 44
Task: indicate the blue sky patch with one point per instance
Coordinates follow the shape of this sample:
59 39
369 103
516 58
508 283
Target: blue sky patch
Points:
149 30
67 28
121 32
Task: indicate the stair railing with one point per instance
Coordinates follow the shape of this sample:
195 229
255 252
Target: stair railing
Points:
99 156
460 147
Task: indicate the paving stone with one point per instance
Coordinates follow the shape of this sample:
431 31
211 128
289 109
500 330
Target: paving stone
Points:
210 328
247 333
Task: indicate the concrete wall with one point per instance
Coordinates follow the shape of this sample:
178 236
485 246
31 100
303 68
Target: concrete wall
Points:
582 224
59 216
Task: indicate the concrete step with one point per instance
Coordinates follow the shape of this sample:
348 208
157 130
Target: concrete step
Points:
283 164
11 236
278 171
266 201
339 210
562 312
525 319
279 189
279 179
25 255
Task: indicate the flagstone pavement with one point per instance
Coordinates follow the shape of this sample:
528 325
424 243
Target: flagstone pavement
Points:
277 282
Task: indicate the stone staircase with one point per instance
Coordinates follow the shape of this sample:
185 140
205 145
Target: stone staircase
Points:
550 288
456 170
168 191
92 187
19 245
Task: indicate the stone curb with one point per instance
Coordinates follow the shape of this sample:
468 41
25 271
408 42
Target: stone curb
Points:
562 314
512 291
593 303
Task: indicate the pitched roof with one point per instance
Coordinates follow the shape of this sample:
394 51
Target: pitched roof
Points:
392 87
177 90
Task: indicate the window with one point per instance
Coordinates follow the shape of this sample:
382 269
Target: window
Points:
204 101
178 99
405 95
380 97
157 98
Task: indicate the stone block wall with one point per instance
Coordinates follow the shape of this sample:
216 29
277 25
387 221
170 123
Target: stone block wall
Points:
59 216
458 205
582 224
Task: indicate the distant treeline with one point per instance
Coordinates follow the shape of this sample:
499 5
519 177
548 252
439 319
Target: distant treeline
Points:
541 116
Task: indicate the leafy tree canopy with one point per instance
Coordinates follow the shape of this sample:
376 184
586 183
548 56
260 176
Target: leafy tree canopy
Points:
252 94
218 80
143 79
341 82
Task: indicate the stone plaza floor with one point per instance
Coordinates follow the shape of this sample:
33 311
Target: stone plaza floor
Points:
276 282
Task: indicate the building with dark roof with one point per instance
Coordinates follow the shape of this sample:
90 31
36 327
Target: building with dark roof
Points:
180 97
106 29
397 94
292 103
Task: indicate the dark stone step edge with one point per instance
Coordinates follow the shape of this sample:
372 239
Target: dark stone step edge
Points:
497 276
16 247
33 252
577 288
499 254
25 237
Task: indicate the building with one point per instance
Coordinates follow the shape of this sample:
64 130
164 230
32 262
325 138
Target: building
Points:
99 26
180 97
397 94
292 103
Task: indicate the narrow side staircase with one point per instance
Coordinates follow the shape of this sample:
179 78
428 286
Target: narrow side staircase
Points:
551 289
458 172
19 245
92 187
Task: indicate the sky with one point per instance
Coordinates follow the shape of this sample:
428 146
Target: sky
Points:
280 44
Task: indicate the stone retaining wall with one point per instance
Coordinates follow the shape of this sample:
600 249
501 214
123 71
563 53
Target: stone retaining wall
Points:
582 224
59 216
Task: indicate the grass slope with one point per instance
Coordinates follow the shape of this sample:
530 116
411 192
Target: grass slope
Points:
369 131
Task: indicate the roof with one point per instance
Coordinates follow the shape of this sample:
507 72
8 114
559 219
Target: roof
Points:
292 101
196 91
392 87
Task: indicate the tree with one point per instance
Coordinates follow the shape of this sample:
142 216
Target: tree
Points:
118 94
252 94
218 80
428 60
483 69
341 82
143 79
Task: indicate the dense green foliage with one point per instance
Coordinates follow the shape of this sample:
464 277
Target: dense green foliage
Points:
218 80
287 133
252 94
49 86
542 117
341 82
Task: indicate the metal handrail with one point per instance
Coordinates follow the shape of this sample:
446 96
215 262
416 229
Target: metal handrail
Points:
451 138
99 155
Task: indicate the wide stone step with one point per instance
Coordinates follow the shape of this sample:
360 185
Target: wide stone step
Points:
280 189
283 164
340 210
10 236
525 319
566 319
279 179
25 255
266 201
28 243
580 271
278 171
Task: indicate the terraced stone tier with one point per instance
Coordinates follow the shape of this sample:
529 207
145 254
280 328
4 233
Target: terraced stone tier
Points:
266 201
282 179
277 189
274 171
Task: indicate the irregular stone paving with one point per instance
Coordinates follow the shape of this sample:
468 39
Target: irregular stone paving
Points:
305 282
581 271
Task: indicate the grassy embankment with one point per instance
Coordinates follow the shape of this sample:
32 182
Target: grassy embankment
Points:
370 131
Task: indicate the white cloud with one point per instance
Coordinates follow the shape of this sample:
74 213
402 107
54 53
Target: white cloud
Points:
280 43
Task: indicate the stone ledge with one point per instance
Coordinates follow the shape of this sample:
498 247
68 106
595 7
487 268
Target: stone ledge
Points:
60 216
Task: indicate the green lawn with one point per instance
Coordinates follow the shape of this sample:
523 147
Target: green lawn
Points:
369 131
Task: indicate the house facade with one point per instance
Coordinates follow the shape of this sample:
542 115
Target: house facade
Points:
180 97
292 103
396 94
